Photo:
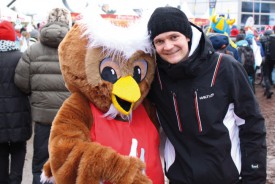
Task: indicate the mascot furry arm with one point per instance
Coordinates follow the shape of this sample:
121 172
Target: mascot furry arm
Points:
109 80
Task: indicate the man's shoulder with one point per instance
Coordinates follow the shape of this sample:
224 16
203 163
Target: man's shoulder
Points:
228 60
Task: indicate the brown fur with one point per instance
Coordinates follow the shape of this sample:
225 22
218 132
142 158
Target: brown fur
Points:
73 157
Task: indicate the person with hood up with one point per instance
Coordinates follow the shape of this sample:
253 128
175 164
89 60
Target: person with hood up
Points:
206 107
38 74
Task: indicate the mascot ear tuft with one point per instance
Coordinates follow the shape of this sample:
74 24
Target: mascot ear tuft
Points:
72 52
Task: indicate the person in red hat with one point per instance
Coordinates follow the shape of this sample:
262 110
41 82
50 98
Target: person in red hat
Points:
15 118
233 33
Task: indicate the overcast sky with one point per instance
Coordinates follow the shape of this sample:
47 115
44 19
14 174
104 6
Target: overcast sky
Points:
40 8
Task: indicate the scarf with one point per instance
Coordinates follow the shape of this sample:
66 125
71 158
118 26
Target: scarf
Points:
6 45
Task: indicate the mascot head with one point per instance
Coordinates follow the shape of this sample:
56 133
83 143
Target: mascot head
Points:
221 24
111 66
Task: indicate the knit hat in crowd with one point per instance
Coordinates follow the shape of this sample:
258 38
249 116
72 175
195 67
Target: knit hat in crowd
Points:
34 34
7 31
7 37
218 40
240 37
165 19
234 32
60 15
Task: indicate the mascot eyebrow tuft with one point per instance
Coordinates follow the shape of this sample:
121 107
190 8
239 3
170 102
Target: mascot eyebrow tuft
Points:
115 40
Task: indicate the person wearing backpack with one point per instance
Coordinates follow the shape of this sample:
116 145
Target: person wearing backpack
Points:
246 57
268 42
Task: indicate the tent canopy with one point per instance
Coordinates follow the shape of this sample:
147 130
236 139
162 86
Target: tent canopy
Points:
12 16
7 14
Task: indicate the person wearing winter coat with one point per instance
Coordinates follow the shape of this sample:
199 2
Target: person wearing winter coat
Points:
268 63
247 58
206 107
220 42
15 111
38 74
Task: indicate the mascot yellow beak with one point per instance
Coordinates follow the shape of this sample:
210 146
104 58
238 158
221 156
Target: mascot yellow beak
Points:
125 93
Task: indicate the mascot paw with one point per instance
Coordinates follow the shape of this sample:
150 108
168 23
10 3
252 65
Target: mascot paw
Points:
141 178
45 179
135 173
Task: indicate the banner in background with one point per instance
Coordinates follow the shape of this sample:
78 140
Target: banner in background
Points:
201 22
212 5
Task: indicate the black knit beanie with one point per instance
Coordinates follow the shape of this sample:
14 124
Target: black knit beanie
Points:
165 19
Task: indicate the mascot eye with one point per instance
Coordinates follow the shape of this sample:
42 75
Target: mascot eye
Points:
109 70
109 74
137 74
140 70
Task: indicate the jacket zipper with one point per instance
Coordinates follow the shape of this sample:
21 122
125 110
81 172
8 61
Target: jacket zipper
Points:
197 111
177 111
159 80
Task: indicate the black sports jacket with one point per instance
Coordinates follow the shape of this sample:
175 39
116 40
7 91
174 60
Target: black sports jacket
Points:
214 127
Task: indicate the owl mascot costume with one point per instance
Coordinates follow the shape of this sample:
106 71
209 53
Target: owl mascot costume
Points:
106 131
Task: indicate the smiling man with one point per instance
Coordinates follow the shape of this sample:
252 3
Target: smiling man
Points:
206 107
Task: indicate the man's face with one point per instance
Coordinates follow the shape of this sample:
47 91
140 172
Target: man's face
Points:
172 46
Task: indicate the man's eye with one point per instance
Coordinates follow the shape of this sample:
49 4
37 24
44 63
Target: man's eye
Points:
158 42
174 37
